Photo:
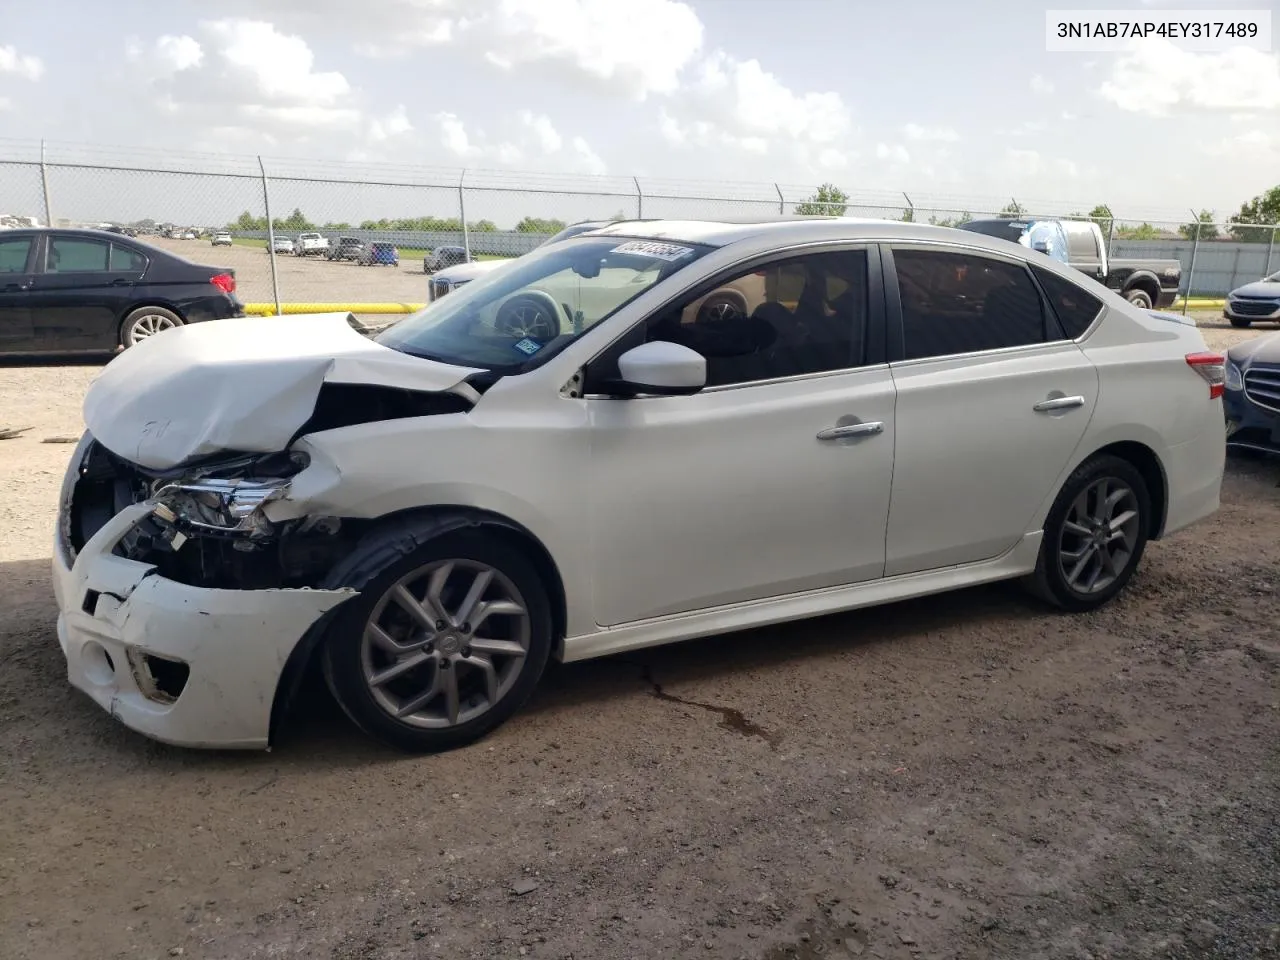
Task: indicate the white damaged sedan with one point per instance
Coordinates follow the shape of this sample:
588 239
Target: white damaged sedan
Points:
650 432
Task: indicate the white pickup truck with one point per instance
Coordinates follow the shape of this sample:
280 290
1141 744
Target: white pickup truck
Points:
310 244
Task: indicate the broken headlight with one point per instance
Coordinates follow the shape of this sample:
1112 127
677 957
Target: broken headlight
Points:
226 499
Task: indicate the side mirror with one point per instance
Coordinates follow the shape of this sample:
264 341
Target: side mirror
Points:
660 368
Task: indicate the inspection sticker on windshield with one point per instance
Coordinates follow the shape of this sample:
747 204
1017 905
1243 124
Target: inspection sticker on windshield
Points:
653 248
528 347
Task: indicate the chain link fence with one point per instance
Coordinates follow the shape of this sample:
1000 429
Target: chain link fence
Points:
268 205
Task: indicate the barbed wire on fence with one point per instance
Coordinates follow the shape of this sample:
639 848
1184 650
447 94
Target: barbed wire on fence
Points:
497 213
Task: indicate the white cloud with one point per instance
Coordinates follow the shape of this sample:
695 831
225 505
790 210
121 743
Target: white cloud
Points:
832 159
738 104
28 67
1157 78
894 152
587 159
638 48
540 125
5 104
453 134
394 124
178 53
914 131
261 78
1022 166
280 65
1040 85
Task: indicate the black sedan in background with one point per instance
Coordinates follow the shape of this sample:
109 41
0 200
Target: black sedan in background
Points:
1251 398
66 291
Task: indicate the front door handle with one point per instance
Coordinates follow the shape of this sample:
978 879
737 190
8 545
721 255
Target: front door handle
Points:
851 430
15 287
1058 403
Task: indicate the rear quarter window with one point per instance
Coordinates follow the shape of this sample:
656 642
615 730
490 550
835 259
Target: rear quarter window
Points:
1076 309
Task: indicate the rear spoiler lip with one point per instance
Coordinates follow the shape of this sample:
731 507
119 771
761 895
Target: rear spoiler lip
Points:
1173 318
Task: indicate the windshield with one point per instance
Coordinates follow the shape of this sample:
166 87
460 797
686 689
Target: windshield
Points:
535 306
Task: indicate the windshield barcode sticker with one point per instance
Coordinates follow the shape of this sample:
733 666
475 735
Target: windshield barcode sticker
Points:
528 347
653 248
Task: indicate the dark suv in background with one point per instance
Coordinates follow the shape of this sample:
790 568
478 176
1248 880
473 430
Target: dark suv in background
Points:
346 248
64 291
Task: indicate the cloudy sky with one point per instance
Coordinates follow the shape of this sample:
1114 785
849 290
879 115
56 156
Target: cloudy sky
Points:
944 98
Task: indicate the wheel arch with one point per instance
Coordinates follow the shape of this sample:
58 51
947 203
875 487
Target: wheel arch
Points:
1148 283
404 530
1147 463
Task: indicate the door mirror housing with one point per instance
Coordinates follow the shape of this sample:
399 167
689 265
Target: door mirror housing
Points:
660 368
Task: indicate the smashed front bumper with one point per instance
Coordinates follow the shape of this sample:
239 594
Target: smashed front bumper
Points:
187 665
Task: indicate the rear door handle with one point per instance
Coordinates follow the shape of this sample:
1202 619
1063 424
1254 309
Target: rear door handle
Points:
1058 403
14 287
851 430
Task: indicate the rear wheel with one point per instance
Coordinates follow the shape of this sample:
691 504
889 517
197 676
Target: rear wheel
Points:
1139 298
442 645
146 322
1094 536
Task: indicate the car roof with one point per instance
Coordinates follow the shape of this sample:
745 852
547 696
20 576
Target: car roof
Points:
787 230
78 231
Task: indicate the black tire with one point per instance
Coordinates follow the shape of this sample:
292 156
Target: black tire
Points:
377 566
1050 582
1139 298
133 326
1238 323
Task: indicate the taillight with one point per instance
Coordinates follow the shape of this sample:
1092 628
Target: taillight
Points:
226 282
1212 367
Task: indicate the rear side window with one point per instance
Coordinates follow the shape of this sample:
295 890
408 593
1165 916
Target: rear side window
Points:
13 254
1076 309
124 260
68 255
954 303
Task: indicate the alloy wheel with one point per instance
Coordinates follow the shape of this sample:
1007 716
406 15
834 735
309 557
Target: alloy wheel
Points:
148 325
445 643
1099 535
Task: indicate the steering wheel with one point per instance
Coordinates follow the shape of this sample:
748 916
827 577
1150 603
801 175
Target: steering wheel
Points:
532 313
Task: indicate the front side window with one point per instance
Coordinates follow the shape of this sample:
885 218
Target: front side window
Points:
516 317
791 317
13 254
955 303
75 255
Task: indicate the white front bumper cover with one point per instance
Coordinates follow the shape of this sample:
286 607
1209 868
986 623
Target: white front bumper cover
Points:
235 643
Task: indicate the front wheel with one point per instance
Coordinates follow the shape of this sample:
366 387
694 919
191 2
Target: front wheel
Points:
445 642
1139 298
1238 323
1094 536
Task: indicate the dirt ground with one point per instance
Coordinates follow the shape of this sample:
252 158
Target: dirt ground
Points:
964 776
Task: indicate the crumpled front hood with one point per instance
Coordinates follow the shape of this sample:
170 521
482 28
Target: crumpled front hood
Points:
244 385
1259 288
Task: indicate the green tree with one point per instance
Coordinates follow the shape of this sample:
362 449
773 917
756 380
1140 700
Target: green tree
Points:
483 226
247 222
909 215
1012 209
1144 231
964 217
539 225
1204 221
294 222
829 201
1262 210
